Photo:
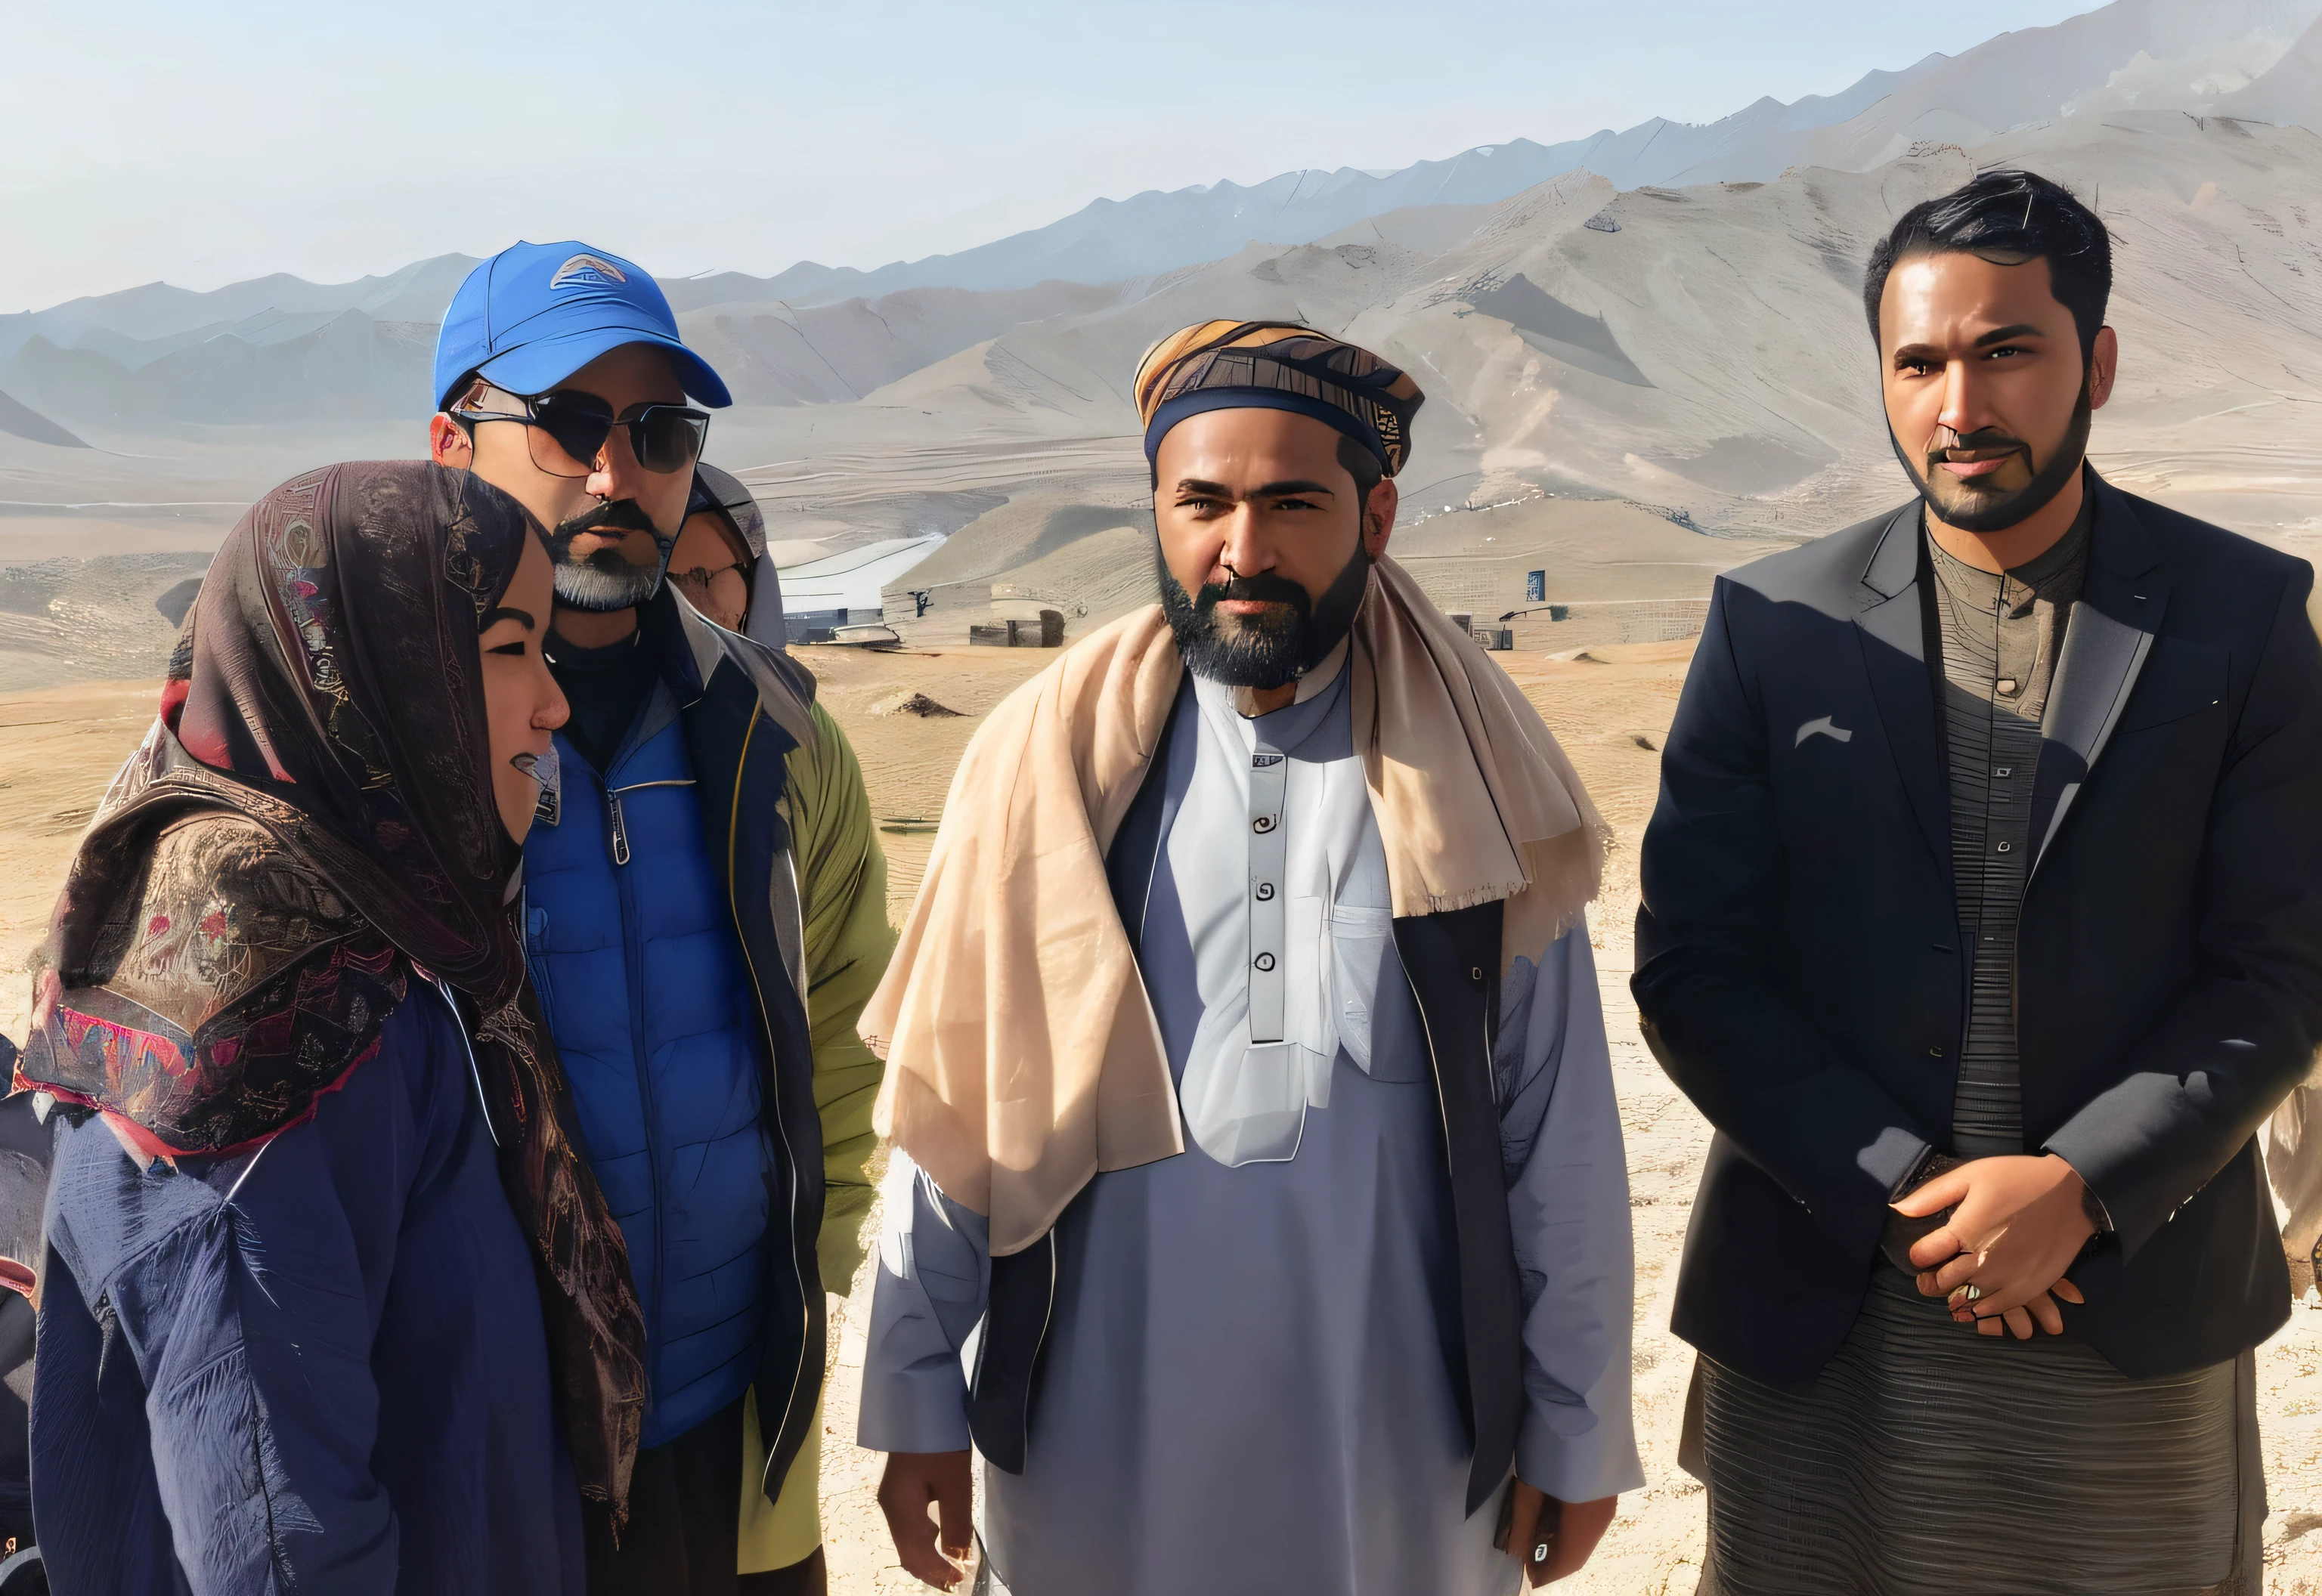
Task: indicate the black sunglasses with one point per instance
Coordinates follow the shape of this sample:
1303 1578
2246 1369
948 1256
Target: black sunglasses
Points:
664 438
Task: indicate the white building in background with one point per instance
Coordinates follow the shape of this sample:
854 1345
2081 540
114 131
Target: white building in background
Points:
835 590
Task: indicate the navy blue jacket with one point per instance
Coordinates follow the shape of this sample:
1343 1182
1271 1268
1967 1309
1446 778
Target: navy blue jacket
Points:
672 985
319 1366
646 989
1799 962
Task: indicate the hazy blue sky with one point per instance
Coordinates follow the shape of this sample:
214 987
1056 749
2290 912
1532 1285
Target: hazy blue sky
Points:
206 143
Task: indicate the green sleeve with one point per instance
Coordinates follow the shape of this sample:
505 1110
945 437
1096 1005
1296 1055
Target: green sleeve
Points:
842 882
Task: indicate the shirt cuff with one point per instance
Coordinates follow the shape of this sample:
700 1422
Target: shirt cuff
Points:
2093 1207
1892 1159
1569 1452
1924 1169
914 1391
922 1406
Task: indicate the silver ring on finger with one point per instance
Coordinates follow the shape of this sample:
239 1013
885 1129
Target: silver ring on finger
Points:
1970 1292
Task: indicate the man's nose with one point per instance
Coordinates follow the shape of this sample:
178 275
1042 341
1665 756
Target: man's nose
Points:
1964 407
1245 549
617 472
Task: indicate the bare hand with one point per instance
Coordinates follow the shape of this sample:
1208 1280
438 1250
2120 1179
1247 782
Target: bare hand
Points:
912 1480
2017 1224
1552 1538
2041 1311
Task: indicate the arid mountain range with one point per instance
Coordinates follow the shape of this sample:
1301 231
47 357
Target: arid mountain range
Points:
1645 360
1668 317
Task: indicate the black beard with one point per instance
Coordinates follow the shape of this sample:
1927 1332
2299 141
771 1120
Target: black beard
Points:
605 582
1261 652
1981 510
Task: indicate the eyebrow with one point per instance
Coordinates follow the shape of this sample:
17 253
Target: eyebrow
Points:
1271 490
508 612
1909 351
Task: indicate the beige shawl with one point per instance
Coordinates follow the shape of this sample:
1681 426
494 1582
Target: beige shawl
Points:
1022 1053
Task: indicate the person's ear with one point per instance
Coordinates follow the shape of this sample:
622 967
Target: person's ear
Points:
1378 516
2104 365
448 445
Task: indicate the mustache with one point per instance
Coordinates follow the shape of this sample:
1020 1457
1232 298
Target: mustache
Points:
622 516
1265 587
1263 651
1980 440
1973 505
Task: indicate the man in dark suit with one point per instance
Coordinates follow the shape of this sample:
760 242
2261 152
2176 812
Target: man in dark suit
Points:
1982 918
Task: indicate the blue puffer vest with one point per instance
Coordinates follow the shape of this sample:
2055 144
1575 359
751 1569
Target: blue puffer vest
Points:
647 993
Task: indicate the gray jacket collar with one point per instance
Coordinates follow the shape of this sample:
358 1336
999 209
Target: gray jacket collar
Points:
785 687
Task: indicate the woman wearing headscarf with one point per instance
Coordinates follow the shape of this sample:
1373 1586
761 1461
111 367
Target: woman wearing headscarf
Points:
330 1300
720 562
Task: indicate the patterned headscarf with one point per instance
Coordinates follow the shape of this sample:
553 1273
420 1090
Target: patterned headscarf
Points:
307 831
1277 366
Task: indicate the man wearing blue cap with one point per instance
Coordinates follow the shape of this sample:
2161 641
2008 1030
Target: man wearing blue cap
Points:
704 863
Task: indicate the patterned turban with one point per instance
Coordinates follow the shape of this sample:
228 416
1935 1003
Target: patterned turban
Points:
1277 366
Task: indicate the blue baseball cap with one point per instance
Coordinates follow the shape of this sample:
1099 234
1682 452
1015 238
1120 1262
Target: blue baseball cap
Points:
535 313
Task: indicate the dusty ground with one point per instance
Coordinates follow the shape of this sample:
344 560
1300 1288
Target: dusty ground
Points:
1611 707
59 748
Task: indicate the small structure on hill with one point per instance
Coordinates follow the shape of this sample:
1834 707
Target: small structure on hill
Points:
1047 631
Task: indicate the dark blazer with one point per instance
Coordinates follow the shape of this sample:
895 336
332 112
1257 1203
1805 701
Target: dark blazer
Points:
1799 967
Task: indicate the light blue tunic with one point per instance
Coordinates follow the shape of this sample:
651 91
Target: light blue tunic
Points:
1247 1384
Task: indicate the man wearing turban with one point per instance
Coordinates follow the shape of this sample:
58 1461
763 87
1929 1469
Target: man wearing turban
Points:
1247 1079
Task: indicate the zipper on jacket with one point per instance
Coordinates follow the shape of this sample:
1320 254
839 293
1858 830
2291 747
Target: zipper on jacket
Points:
774 1084
633 969
633 957
620 820
774 1064
781 1130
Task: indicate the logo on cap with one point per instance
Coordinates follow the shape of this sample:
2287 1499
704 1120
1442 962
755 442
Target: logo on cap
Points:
588 269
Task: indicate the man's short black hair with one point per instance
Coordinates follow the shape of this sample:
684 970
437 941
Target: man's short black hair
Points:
2007 216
